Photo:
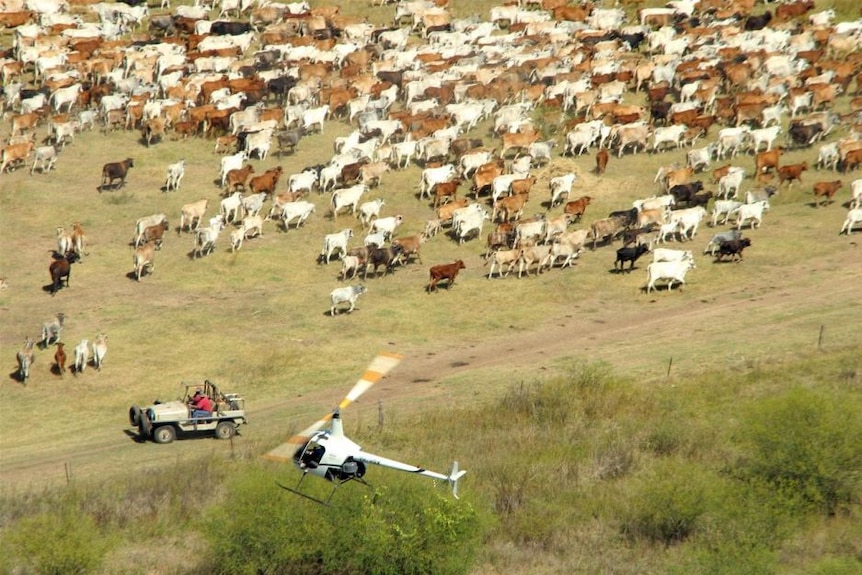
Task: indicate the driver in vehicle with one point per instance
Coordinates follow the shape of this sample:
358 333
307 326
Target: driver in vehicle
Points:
201 405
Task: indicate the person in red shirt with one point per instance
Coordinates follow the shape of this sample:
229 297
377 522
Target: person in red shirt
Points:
201 405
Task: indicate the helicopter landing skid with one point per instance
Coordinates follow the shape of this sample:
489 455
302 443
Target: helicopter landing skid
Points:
321 501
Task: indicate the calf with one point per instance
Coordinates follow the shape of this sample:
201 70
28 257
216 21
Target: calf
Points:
629 254
791 172
444 272
115 171
602 157
732 248
156 234
410 246
46 157
826 190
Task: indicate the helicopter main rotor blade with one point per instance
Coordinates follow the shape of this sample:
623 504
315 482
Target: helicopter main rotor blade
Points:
382 364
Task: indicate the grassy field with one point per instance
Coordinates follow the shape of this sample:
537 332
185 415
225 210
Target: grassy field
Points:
257 321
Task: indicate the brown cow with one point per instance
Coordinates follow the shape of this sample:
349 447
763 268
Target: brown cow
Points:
446 211
826 190
602 161
410 246
445 192
447 272
22 122
15 153
577 208
791 172
765 161
518 141
154 129
60 358
511 207
238 178
267 181
852 160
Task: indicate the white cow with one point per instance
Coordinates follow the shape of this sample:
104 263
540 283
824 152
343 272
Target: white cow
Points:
253 204
856 194
347 294
386 225
668 135
336 242
723 208
258 143
346 198
315 117
299 210
728 185
231 207
370 210
688 220
82 355
828 156
672 271
671 255
561 186
700 158
374 240
854 217
471 223
193 213
730 140
433 176
45 158
764 136
205 238
66 96
175 175
304 181
750 214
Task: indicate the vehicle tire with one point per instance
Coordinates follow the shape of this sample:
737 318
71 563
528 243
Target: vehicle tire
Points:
145 426
134 415
164 434
225 430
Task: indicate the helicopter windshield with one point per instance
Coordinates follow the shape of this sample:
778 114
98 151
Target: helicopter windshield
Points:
310 454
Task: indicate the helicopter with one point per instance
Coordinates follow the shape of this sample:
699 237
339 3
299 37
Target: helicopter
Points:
324 451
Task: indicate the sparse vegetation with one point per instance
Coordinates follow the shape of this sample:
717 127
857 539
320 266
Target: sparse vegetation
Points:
603 430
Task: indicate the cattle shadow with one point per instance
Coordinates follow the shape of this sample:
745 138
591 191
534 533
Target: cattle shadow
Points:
16 377
109 187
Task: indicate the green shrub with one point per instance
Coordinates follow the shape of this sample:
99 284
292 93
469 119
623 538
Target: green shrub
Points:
406 530
806 446
665 504
62 542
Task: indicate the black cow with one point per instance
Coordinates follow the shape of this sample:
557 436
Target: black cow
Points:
732 248
281 86
700 200
392 76
228 28
628 218
387 256
683 193
658 112
759 22
60 270
633 40
629 254
631 236
805 134
115 171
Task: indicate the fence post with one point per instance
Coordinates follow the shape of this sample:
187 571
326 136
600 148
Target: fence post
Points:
820 337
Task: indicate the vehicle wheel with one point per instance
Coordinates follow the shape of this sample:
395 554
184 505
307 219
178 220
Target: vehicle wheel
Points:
164 434
134 415
225 430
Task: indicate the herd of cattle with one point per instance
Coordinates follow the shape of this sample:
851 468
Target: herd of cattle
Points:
743 79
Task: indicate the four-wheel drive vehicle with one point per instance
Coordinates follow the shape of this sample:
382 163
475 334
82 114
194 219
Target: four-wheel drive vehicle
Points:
165 421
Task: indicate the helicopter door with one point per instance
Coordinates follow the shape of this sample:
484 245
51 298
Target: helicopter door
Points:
311 455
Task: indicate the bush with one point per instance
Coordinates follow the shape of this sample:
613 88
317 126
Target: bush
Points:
665 504
406 530
63 542
806 446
